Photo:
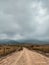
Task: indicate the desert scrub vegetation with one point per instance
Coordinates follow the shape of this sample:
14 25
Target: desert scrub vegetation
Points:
44 48
7 49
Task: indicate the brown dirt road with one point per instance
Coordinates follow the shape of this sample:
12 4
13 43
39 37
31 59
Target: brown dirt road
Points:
25 57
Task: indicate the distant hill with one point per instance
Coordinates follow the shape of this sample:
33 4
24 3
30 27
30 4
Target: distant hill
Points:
34 42
7 41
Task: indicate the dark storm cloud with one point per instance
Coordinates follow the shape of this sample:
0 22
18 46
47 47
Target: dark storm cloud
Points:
21 19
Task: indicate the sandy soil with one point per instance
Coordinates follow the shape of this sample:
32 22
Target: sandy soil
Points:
25 57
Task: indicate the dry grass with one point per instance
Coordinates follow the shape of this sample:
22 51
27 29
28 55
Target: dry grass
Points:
6 49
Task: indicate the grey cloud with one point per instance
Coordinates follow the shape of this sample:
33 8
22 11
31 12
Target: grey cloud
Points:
20 19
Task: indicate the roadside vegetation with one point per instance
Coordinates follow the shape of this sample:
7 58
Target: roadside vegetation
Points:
7 49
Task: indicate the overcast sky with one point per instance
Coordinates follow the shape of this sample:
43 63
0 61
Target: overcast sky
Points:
24 19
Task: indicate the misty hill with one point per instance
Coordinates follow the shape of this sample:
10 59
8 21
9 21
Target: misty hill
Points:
34 41
6 41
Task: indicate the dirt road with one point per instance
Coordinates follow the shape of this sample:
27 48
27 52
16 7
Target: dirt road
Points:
25 57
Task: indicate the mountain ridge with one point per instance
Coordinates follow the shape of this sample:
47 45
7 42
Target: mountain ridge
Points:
7 41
